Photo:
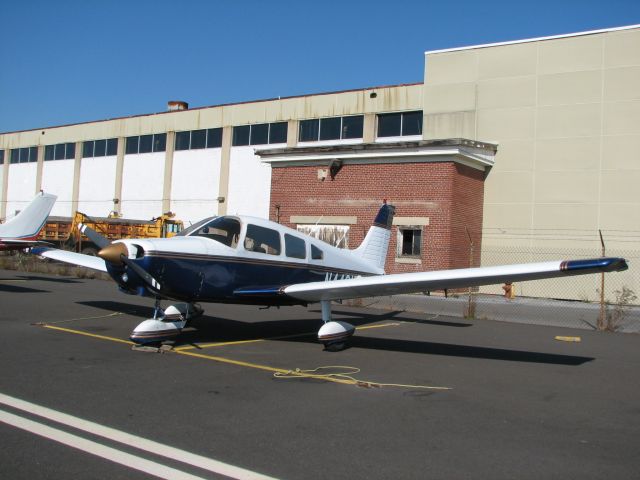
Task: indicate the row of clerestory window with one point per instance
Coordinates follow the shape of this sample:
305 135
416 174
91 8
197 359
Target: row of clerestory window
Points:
311 130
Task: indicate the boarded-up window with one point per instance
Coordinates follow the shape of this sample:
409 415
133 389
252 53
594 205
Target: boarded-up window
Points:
336 235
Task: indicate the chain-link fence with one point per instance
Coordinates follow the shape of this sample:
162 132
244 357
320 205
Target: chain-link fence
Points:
572 301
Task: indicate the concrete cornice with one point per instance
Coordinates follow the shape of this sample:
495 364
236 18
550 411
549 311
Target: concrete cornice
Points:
479 155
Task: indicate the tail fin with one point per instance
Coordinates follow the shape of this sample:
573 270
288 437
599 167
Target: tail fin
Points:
375 245
28 223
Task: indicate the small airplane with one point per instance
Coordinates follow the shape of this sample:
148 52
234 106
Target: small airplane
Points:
247 260
23 229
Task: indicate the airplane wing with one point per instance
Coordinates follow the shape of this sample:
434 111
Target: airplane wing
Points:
95 263
380 285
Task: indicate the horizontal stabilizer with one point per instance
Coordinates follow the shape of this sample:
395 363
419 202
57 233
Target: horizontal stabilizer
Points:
378 285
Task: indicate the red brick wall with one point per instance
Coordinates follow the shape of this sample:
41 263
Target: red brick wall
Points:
449 194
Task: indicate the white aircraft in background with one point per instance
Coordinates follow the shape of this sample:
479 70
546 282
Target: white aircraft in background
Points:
23 229
246 260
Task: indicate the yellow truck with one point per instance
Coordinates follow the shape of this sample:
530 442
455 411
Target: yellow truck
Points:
63 231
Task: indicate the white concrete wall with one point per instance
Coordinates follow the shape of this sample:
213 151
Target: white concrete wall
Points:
57 178
22 186
320 143
195 184
97 185
1 186
142 183
406 138
249 183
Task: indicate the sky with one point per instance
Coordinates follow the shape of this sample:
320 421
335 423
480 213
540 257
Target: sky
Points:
69 61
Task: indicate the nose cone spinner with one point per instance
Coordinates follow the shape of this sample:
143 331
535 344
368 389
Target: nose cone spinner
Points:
112 253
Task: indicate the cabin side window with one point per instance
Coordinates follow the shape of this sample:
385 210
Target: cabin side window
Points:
316 253
262 240
294 247
225 230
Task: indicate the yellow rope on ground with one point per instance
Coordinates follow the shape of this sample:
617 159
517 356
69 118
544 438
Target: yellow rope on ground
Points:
346 376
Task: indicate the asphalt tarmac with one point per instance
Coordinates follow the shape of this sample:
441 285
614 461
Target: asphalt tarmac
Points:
77 402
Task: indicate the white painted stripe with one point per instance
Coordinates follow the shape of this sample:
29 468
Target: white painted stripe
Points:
134 441
108 453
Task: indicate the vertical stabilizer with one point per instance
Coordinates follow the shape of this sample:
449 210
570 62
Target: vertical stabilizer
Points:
28 223
375 245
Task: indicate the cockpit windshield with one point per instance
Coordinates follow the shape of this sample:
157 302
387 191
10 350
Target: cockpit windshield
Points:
187 231
225 230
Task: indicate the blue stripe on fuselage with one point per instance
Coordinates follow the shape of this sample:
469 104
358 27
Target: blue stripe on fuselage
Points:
216 278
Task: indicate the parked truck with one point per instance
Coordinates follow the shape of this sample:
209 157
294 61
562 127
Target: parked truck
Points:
63 231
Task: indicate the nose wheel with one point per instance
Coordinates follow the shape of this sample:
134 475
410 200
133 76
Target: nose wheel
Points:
165 324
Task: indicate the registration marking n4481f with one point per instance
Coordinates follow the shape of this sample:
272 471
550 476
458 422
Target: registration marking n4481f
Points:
338 276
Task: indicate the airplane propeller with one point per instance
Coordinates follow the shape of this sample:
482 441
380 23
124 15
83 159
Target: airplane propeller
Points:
117 253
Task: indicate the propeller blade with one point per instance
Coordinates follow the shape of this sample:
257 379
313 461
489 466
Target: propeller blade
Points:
142 273
94 236
117 253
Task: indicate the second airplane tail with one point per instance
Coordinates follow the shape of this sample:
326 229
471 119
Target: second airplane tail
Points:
28 223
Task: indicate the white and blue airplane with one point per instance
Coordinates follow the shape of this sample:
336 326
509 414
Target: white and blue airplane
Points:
22 230
247 260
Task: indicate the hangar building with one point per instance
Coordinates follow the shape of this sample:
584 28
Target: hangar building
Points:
505 153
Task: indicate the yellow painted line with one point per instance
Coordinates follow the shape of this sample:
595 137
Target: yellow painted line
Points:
86 334
378 326
568 339
11 280
256 366
217 344
256 340
281 371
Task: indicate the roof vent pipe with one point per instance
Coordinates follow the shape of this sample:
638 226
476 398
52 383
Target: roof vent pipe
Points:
176 105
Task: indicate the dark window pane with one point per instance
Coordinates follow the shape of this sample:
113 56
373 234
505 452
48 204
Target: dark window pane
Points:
240 135
278 132
132 145
309 130
412 123
70 153
59 153
316 253
48 152
100 148
24 155
146 144
1 157
33 154
198 139
389 125
411 240
352 126
87 149
160 142
262 240
112 146
15 155
182 140
260 134
294 247
214 138
330 128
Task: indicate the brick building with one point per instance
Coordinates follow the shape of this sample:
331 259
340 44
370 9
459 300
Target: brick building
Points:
437 188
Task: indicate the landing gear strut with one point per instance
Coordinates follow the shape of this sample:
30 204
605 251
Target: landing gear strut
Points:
165 324
333 334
